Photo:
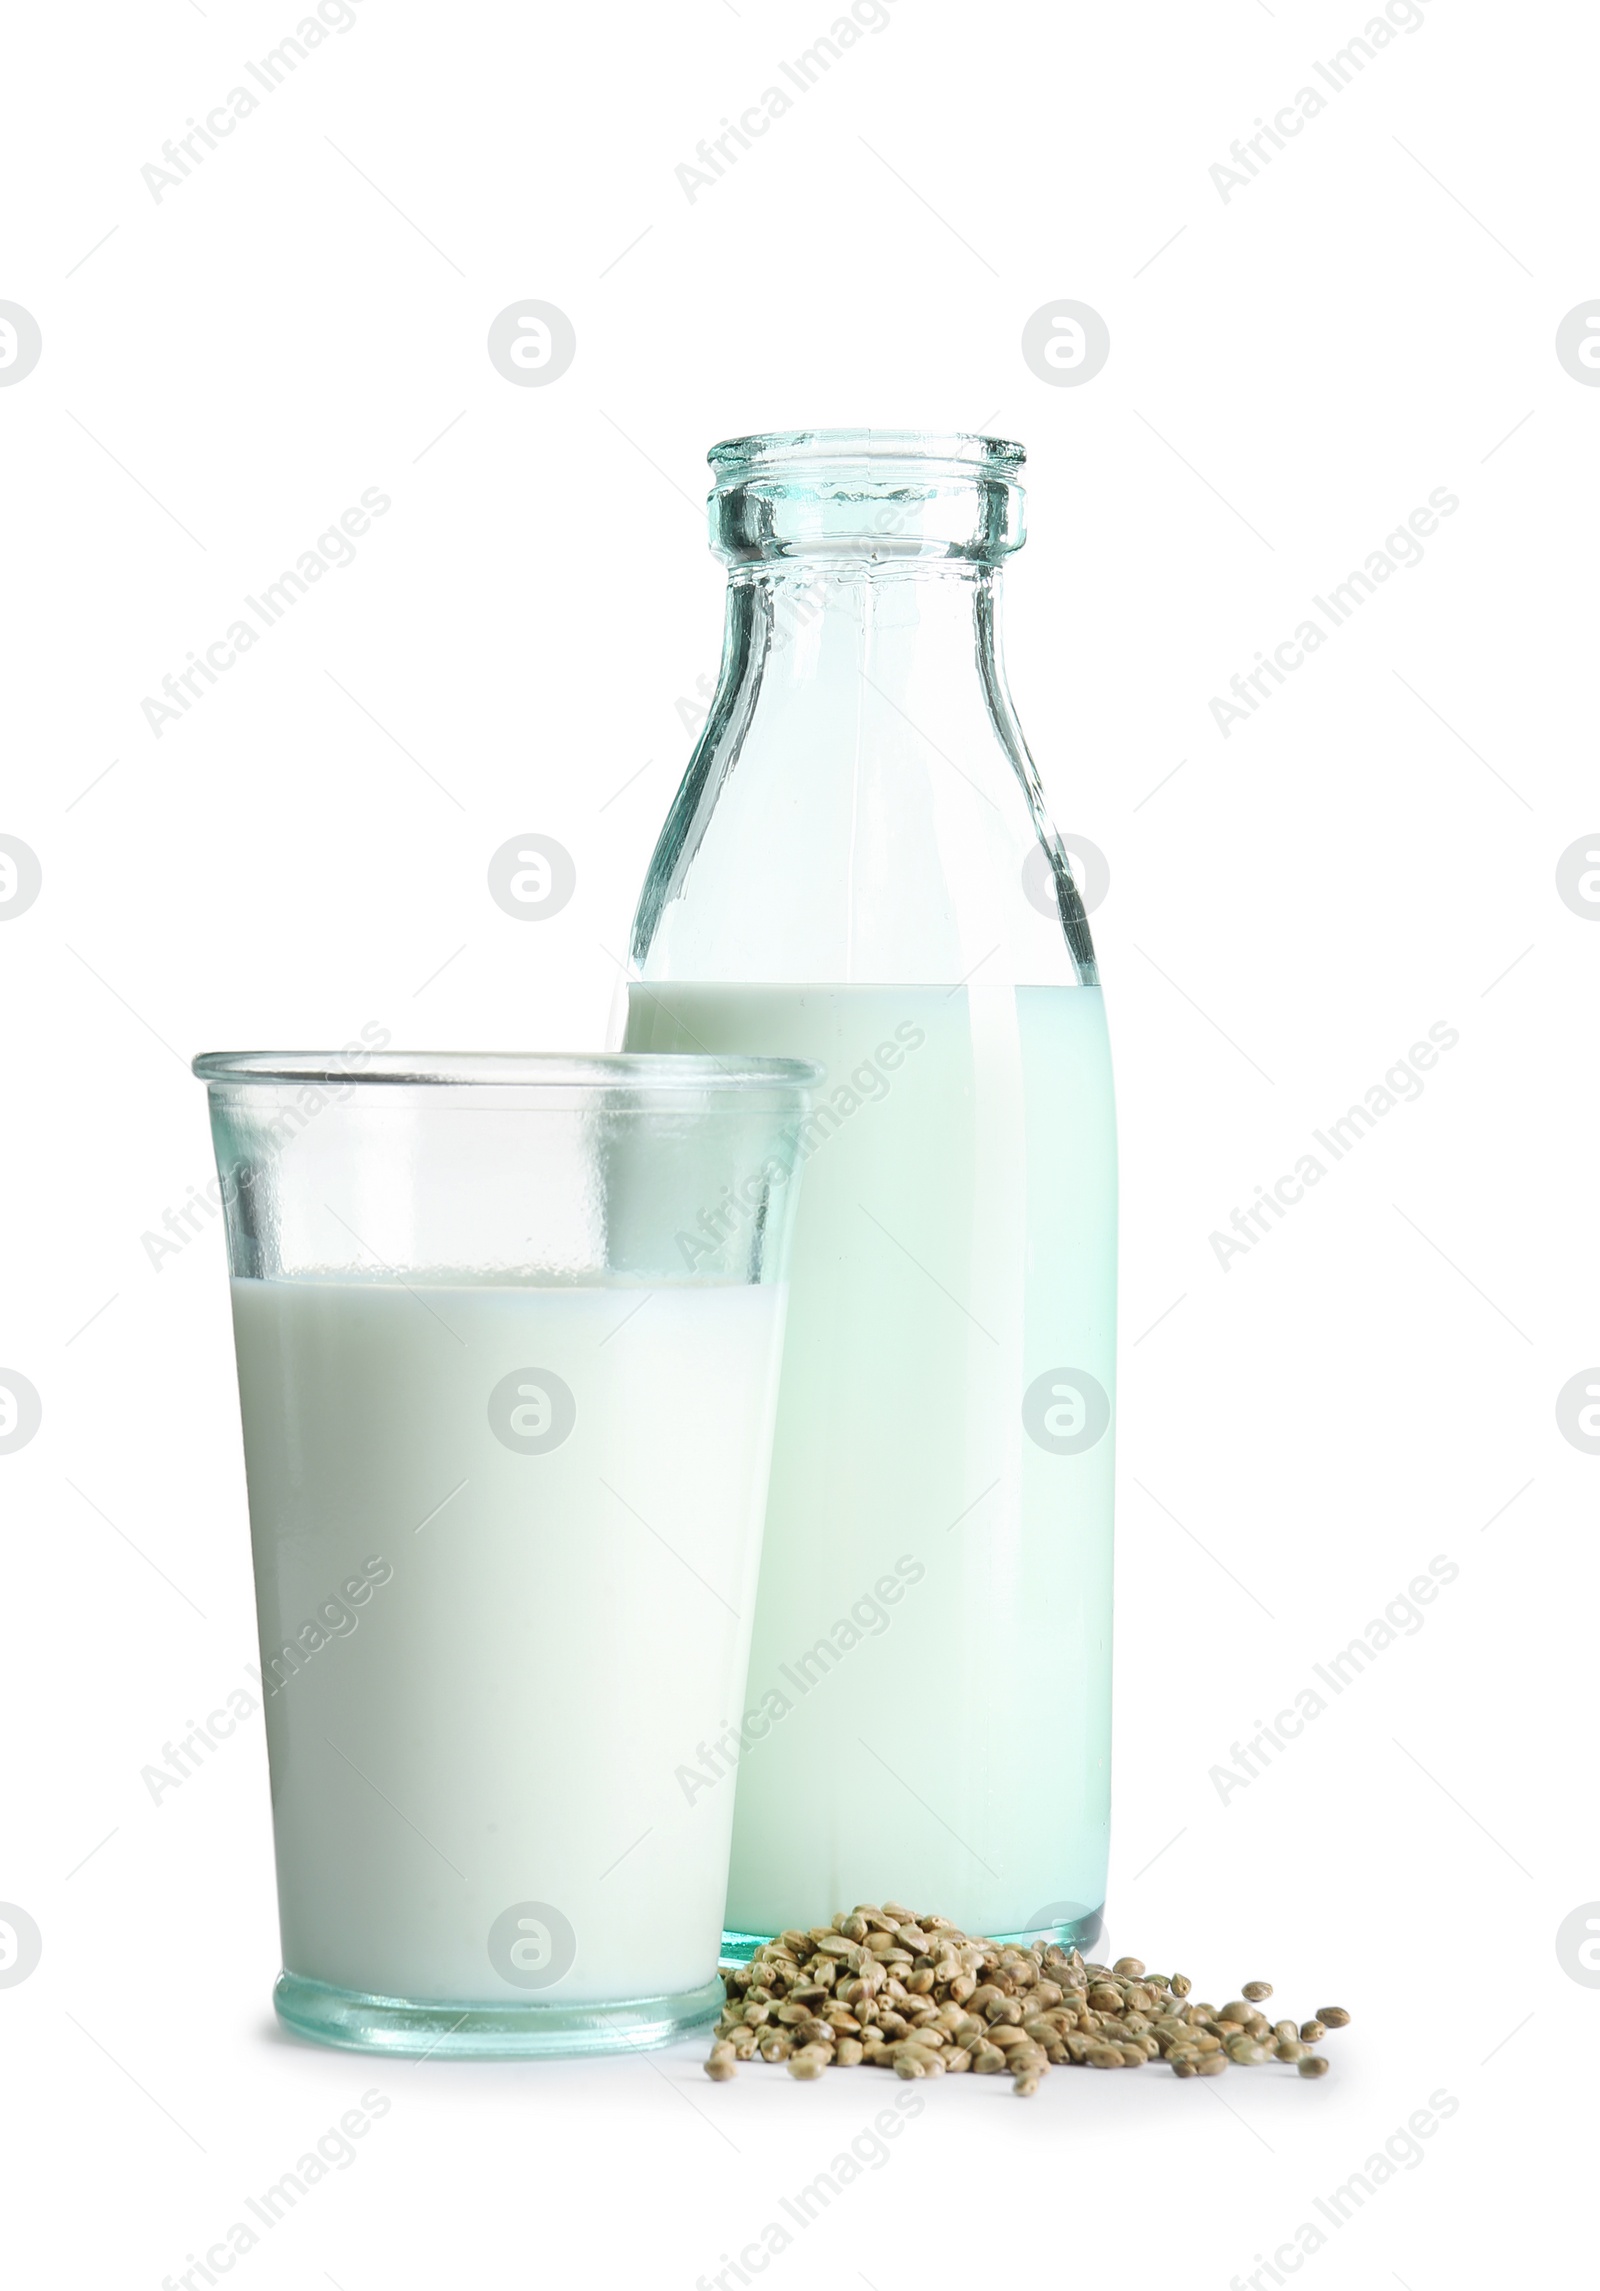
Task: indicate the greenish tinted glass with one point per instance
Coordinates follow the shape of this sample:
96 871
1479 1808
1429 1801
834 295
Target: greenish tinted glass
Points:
507 1333
859 868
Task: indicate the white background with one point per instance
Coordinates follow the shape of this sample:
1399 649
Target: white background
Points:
1292 371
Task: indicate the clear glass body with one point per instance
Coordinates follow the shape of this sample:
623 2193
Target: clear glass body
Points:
858 868
508 1333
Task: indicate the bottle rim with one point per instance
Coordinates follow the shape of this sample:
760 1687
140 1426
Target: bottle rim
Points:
767 453
880 497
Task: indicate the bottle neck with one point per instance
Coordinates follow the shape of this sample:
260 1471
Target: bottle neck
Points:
831 643
861 807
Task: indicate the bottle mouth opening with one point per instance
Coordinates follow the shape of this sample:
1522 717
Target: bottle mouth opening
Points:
877 494
768 452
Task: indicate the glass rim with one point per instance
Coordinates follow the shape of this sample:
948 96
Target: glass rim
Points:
767 452
648 1073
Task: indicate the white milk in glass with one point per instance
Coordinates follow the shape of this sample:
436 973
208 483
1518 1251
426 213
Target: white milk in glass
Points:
935 1601
485 1662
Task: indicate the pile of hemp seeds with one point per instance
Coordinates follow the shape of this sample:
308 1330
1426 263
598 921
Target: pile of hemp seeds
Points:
882 1988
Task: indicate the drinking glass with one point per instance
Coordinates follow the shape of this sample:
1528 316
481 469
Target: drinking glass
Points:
508 1332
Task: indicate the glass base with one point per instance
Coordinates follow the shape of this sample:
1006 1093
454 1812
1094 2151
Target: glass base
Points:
1073 1931
400 2025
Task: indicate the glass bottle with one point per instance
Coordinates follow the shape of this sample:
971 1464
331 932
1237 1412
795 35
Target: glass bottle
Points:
858 869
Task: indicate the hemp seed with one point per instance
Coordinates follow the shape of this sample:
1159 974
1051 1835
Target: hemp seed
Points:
882 1988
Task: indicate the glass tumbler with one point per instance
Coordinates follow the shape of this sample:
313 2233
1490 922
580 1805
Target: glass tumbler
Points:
508 1332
